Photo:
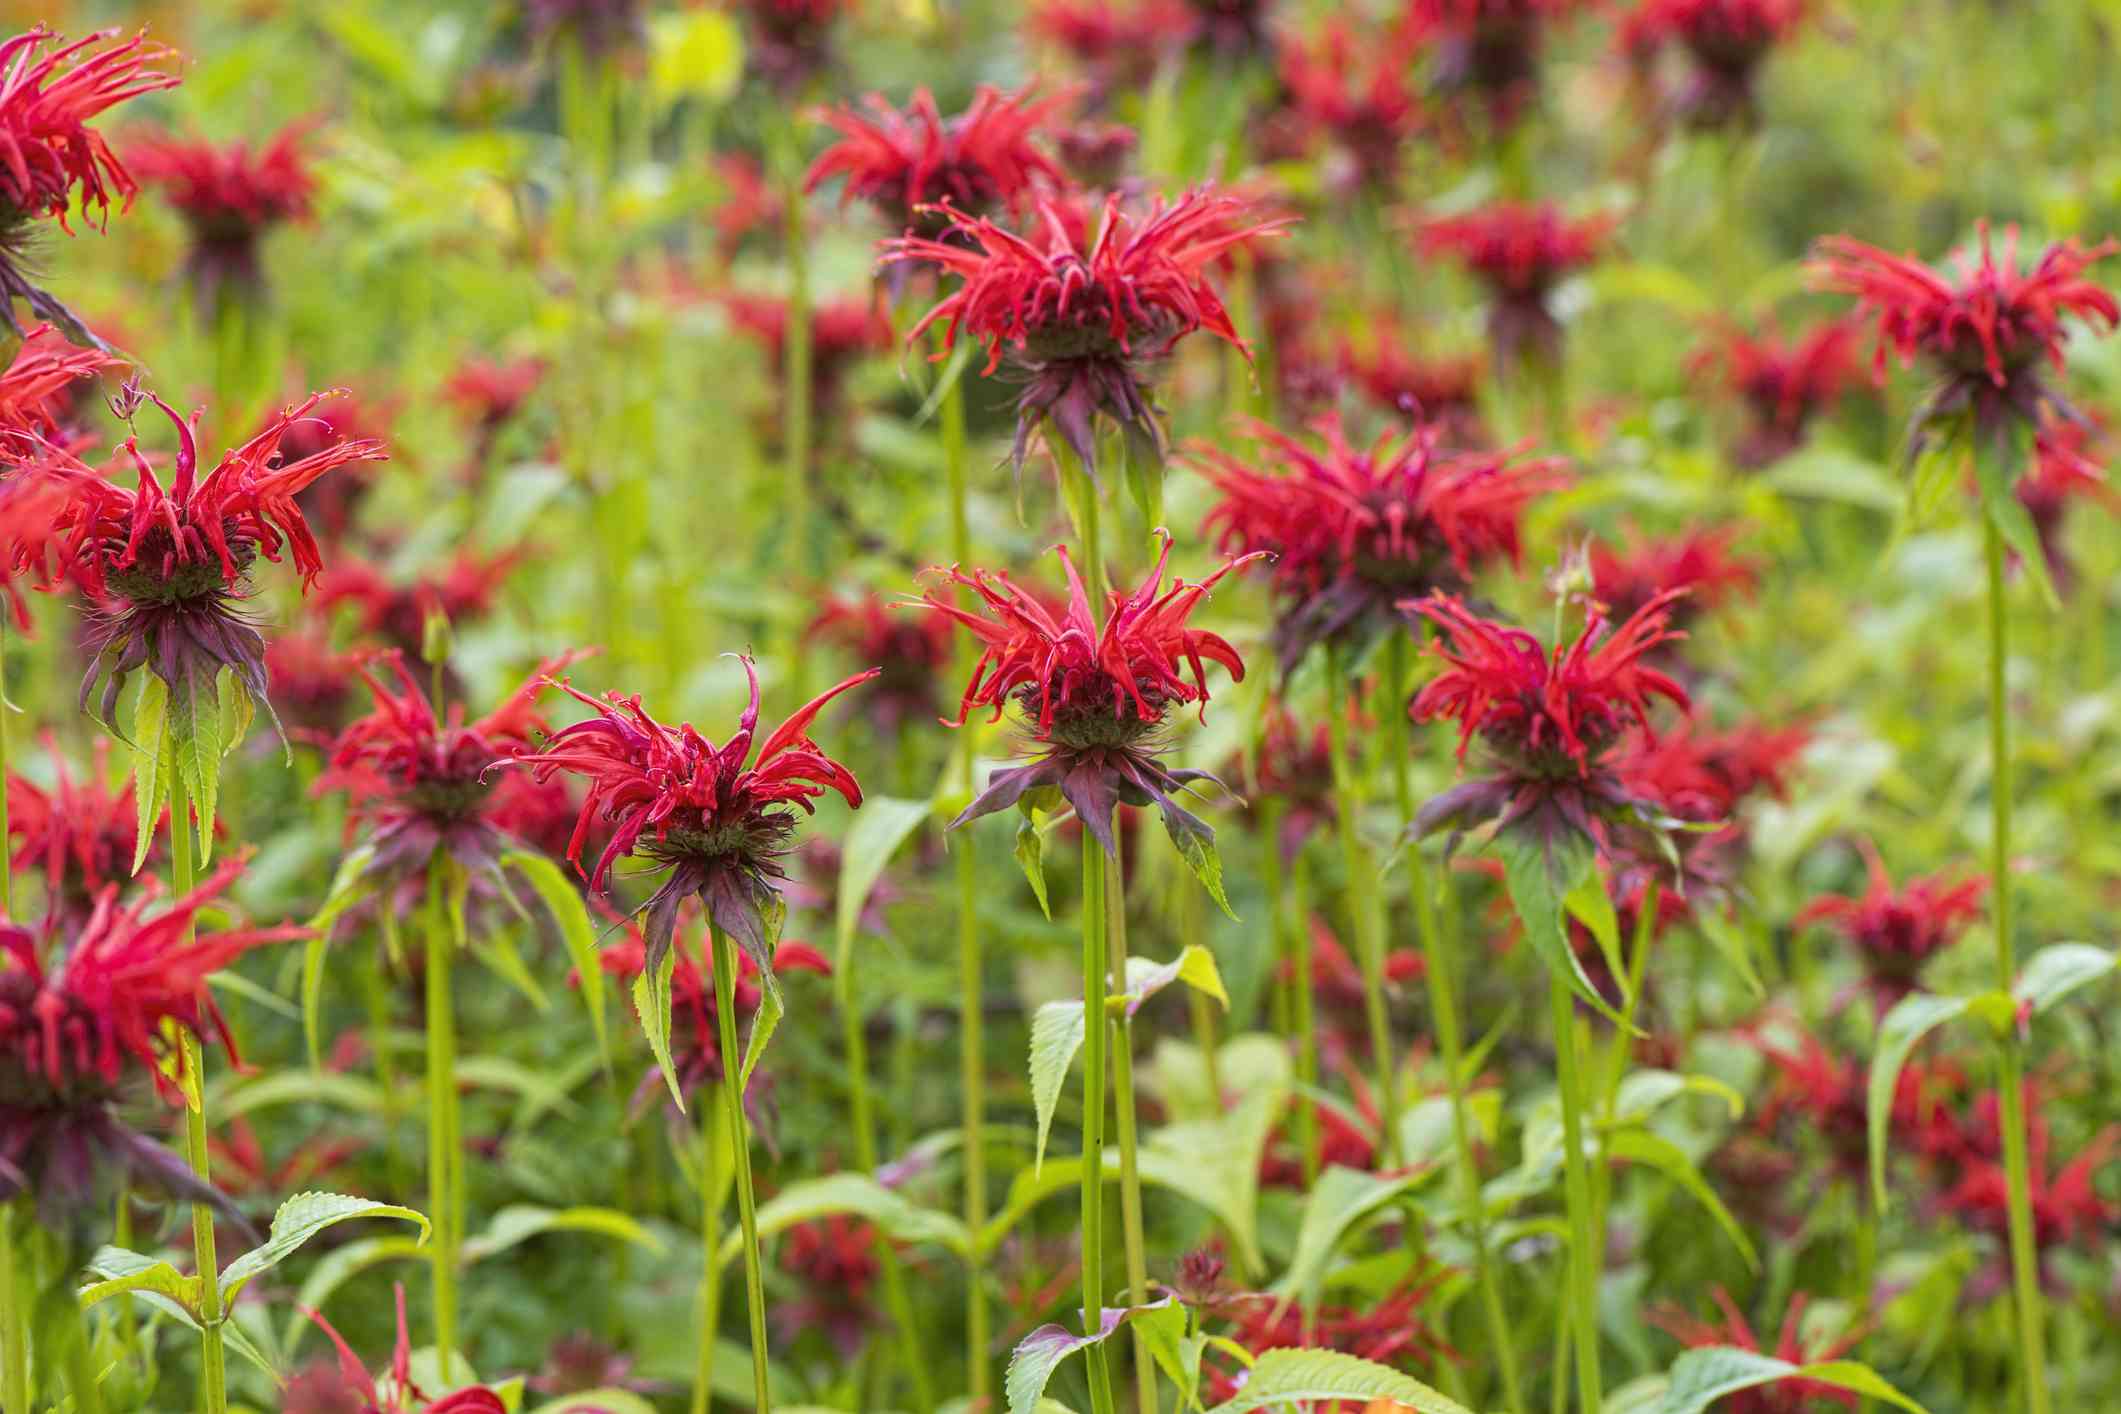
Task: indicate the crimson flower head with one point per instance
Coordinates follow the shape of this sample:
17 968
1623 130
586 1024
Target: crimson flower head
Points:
1520 251
911 653
842 334
1488 49
2067 1207
1094 697
93 1011
1991 329
230 195
834 1261
490 391
1394 1330
1791 1396
80 833
39 386
421 785
1550 721
332 503
1354 89
174 565
1726 42
1086 305
1896 931
1118 43
717 818
1355 530
49 154
1784 382
1703 774
912 164
396 611
1699 562
1443 391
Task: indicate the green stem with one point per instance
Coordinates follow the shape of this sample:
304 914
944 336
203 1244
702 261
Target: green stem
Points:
856 1041
1307 1130
1095 920
1368 906
1130 1184
213 1369
14 1320
971 959
2025 1274
710 1295
441 1107
81 1370
740 1145
795 385
1583 1259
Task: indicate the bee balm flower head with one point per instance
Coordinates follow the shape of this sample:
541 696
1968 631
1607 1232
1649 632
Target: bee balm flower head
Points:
1520 252
230 195
915 167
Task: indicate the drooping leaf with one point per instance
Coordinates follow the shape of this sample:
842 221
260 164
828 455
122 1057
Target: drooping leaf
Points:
571 916
1030 849
651 1002
299 1219
1540 875
1285 1379
1640 1146
881 826
1702 1376
1997 463
1643 1092
894 1214
194 715
1589 904
1912 1018
1197 848
1057 1033
519 1222
1341 1198
1039 1354
1194 966
151 762
764 1021
2055 971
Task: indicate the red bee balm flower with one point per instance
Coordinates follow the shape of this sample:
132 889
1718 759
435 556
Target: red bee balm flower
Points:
1354 89
1784 383
74 1030
1488 47
910 652
1084 321
1986 331
48 152
905 163
420 785
1727 41
230 195
352 1390
39 383
176 563
1791 1396
1520 252
80 832
1355 531
1550 721
716 817
1896 931
1094 696
1697 561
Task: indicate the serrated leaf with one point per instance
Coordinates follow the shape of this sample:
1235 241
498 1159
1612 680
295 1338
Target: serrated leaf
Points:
1039 1354
151 765
764 1021
564 902
879 829
894 1214
1640 1146
299 1219
1197 848
1057 1033
1701 1377
1912 1018
651 1002
194 715
1290 1377
1030 857
124 1271
519 1222
1589 904
2055 971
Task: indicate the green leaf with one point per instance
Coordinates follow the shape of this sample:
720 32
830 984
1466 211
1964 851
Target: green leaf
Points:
538 1089
895 1215
1194 966
1540 876
519 1222
299 1219
1645 1091
195 747
1030 845
1590 904
1342 1198
880 827
1057 1033
1702 1376
1830 473
564 902
693 54
151 762
1215 1162
1640 1146
2055 971
953 369
349 886
651 1002
125 1271
1039 1354
500 953
1731 944
339 1266
1290 1377
287 1087
1912 1018
764 1021
1197 848
1998 462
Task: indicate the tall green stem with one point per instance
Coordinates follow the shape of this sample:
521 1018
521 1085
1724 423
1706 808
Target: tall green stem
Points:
1583 1254
1095 921
971 959
1309 1138
795 384
441 1111
863 1117
1130 1183
2025 1274
740 1147
14 1319
1362 890
213 1368
710 1295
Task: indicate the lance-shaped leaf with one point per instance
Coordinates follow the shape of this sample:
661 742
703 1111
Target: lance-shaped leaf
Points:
299 1219
519 1222
1290 1379
151 762
2057 970
1030 857
894 1214
882 825
651 1002
1912 1018
1542 870
1640 1146
1701 1377
564 902
1039 1354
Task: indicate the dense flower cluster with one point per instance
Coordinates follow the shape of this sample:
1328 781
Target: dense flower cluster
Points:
911 653
1355 530
915 168
230 195
1783 382
1354 89
80 834
1085 304
1520 252
1895 931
